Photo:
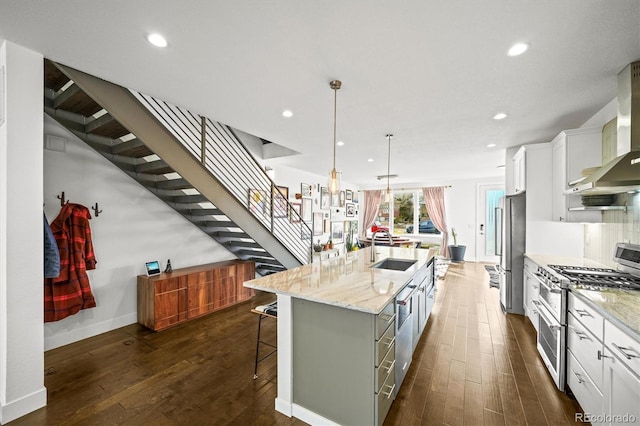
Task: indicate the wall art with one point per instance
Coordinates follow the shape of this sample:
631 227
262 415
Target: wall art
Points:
305 190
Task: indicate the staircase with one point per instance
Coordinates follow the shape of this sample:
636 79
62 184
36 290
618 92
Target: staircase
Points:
195 165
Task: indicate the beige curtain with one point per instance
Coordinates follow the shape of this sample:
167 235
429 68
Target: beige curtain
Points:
434 201
371 207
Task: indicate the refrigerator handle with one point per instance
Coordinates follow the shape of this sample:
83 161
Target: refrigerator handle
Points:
498 231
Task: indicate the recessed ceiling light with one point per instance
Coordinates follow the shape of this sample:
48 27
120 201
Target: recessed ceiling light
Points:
500 116
491 145
340 143
157 40
518 49
370 160
287 113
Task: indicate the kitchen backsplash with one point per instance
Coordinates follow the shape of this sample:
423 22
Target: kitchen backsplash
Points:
601 238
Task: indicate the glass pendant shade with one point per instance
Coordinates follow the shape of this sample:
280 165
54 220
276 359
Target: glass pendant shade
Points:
334 181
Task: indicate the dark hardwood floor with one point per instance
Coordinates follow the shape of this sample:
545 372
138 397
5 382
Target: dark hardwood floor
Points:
473 366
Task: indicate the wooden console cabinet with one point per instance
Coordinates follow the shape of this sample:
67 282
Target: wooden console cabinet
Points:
171 298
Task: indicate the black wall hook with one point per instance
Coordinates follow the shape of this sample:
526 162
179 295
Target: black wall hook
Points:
96 210
62 199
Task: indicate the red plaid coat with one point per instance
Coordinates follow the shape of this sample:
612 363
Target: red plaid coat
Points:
70 291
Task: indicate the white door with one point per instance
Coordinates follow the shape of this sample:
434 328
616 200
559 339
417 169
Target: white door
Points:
488 199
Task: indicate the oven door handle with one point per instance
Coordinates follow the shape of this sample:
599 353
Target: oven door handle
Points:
542 281
547 317
552 289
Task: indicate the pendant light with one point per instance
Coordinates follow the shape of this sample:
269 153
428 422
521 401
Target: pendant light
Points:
334 178
387 195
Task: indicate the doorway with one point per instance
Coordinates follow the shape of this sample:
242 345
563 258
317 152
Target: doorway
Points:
488 199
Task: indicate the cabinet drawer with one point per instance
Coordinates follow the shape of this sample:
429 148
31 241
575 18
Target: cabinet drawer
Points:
165 286
585 391
384 319
587 315
585 349
386 367
384 398
623 346
384 343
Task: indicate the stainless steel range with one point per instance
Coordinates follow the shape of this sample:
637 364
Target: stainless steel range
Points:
600 279
555 280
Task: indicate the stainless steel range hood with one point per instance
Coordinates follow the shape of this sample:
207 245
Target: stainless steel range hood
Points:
622 174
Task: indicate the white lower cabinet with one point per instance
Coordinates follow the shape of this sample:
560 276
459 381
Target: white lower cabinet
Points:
531 292
584 357
583 388
603 366
621 377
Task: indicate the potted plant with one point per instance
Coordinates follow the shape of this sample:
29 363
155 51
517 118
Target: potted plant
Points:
348 245
456 252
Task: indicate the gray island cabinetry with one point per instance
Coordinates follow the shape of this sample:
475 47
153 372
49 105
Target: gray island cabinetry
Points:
344 362
338 343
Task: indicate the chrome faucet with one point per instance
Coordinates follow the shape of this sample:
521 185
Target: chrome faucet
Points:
373 242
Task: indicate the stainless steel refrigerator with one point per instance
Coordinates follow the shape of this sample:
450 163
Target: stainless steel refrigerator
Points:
510 237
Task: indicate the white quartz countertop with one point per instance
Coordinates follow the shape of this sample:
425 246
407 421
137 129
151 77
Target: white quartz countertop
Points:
348 280
621 307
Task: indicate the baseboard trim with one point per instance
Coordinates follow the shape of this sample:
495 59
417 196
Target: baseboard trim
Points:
22 406
72 336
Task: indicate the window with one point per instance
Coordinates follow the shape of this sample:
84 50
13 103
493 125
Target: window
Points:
405 213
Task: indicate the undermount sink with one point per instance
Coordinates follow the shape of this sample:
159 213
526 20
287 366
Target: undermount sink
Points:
394 264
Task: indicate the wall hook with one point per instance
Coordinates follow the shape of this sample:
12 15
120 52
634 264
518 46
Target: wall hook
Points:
96 210
62 199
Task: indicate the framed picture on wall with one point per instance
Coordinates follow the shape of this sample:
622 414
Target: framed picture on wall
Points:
354 197
258 203
324 198
294 214
342 200
305 190
348 194
318 223
307 211
335 200
337 232
280 196
305 232
351 210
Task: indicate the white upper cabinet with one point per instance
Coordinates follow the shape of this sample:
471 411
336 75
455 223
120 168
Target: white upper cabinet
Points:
519 171
574 151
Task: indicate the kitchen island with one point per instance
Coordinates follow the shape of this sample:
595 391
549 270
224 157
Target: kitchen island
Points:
337 325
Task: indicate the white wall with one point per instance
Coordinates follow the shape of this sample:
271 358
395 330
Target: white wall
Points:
134 226
461 207
21 249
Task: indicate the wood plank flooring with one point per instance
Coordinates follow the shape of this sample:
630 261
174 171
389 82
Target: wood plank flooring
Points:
473 366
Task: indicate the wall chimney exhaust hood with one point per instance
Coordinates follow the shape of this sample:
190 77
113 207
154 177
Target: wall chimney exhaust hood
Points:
622 174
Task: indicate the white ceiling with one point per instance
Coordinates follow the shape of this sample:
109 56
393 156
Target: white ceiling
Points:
432 73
